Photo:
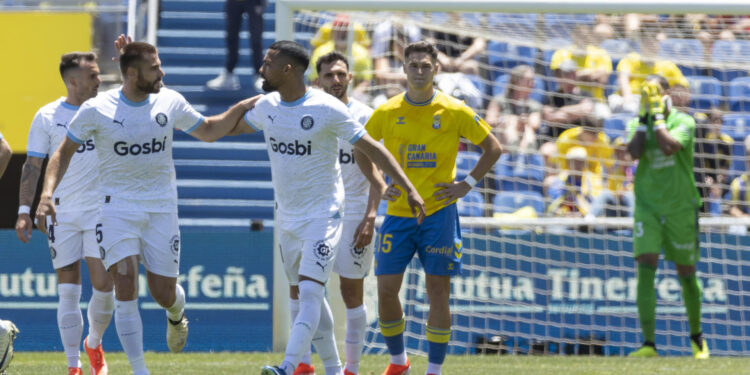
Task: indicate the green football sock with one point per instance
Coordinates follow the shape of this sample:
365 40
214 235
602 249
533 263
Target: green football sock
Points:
646 301
691 294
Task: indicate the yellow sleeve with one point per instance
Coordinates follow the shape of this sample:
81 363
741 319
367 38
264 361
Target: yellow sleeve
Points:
606 152
374 125
598 59
559 57
628 63
471 125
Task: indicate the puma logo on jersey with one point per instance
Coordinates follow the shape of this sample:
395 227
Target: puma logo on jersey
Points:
271 118
63 125
121 122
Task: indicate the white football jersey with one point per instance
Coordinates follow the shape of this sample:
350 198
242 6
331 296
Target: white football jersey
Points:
356 186
78 190
302 141
134 145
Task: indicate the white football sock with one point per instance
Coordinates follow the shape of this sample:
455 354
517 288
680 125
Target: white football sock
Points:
301 334
433 368
130 330
325 341
293 310
70 321
356 323
99 313
177 310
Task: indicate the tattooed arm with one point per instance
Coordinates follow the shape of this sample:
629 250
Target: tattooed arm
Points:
32 169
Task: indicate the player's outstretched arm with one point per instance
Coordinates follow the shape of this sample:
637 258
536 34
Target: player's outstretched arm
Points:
5 154
366 228
56 168
451 191
32 170
383 159
227 123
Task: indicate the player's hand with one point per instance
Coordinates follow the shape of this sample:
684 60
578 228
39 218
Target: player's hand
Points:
120 43
23 228
451 191
391 193
45 208
645 108
416 203
363 233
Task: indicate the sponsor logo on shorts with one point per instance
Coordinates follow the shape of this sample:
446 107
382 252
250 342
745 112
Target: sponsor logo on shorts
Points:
102 253
52 252
161 119
683 246
175 244
307 122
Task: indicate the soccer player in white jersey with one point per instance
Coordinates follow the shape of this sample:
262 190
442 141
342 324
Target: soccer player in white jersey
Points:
73 237
302 127
361 199
132 128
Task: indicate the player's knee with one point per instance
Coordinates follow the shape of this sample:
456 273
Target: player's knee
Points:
163 294
294 292
102 283
352 295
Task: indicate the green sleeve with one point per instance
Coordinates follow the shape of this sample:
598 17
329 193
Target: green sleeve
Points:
631 128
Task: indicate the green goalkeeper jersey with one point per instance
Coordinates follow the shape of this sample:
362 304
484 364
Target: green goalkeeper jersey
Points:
665 184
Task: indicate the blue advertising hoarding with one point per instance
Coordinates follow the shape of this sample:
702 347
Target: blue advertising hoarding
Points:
227 277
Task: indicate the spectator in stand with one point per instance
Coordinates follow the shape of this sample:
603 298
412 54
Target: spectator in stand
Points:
635 67
713 158
566 107
593 63
596 143
362 67
234 9
457 52
574 189
739 205
549 154
388 43
618 200
514 117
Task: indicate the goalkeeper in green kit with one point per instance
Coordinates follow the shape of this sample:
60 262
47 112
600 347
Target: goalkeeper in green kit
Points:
666 209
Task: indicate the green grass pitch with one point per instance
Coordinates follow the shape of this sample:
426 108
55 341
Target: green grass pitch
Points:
36 363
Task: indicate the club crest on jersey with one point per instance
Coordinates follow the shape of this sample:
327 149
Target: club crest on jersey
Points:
174 244
102 253
322 250
52 252
436 122
161 119
307 122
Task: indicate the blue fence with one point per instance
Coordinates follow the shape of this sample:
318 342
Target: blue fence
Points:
227 277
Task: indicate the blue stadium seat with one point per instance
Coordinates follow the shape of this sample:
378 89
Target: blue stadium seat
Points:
520 172
615 125
472 204
502 81
507 201
562 25
736 125
465 162
616 47
612 85
738 165
504 56
705 92
683 52
739 94
730 52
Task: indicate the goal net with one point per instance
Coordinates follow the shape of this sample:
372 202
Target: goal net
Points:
548 264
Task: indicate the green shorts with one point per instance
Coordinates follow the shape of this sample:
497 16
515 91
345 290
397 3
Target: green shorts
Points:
676 233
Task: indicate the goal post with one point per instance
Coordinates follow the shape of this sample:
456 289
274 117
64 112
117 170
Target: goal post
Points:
539 283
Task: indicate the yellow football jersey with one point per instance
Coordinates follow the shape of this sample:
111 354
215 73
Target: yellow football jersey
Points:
424 139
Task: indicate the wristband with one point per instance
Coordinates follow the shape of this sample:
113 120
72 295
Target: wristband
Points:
660 126
24 209
470 180
641 128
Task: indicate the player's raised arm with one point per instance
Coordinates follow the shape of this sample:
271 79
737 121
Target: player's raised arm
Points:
227 123
5 154
56 168
383 159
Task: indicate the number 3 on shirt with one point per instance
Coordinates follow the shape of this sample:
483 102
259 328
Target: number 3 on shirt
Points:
638 229
385 243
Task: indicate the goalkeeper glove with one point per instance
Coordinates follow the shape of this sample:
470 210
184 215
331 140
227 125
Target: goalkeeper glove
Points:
645 106
656 105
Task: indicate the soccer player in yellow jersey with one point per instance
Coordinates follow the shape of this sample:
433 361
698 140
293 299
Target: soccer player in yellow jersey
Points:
422 128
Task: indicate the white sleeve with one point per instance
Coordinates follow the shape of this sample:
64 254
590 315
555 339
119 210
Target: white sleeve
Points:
83 124
38 143
186 118
253 118
344 125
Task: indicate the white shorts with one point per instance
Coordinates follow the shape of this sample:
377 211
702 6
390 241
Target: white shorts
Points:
153 236
73 237
309 248
351 262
